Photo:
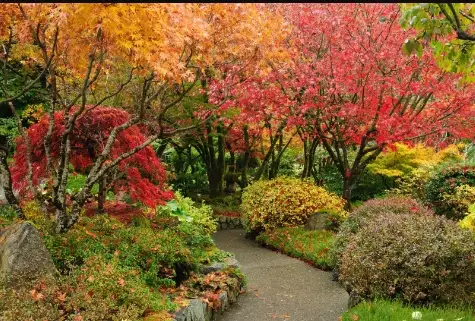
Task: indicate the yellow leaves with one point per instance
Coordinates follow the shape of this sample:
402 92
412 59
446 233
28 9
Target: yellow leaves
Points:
286 202
158 316
469 221
404 159
153 36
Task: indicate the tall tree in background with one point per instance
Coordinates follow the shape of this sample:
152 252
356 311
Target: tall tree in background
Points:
352 87
248 35
154 53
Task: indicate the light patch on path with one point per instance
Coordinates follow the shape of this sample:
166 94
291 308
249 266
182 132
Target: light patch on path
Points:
280 287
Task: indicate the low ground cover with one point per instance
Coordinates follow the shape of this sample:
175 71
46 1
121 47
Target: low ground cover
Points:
310 246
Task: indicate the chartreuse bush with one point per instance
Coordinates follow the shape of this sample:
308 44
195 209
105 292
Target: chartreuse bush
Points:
421 259
408 169
469 221
383 310
367 212
403 160
285 202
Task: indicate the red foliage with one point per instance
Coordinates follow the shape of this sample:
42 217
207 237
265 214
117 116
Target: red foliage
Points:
143 176
349 77
119 210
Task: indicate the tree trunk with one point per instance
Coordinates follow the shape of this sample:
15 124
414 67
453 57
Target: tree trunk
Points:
215 185
161 149
247 156
347 186
6 179
309 158
101 195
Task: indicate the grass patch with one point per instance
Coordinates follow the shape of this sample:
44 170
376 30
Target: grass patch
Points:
383 310
309 246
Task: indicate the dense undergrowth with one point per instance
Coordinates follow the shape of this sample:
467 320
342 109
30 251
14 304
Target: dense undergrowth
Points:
115 271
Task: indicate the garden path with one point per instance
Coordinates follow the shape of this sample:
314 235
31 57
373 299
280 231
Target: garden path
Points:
280 287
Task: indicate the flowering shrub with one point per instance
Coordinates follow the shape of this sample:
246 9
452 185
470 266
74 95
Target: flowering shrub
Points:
444 194
285 202
367 212
417 258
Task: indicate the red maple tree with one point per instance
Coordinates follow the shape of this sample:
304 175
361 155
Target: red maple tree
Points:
350 86
142 175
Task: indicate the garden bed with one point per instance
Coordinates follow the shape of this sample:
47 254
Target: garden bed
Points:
129 266
224 287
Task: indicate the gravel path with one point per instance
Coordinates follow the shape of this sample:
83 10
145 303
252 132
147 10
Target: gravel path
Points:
280 287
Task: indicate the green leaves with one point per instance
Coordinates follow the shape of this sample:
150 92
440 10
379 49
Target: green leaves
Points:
412 45
177 211
437 25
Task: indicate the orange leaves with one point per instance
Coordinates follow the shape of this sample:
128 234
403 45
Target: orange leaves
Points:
91 234
36 295
158 37
61 296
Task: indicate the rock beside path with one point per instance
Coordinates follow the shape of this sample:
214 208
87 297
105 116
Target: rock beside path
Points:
23 256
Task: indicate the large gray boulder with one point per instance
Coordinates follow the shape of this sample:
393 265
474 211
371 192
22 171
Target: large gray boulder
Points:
23 256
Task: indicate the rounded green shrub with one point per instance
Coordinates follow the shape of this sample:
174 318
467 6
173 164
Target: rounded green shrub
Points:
285 202
421 259
367 212
444 194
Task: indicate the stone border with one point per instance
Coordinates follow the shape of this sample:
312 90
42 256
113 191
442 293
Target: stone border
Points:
229 222
198 310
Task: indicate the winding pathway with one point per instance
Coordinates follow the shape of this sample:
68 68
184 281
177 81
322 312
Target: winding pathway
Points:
280 287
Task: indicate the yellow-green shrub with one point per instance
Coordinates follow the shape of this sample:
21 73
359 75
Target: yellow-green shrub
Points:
410 168
460 201
401 162
285 202
469 221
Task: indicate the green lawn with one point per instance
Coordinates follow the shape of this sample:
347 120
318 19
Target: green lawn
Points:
309 246
381 310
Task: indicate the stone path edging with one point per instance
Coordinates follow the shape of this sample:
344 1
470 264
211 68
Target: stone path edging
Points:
198 310
229 223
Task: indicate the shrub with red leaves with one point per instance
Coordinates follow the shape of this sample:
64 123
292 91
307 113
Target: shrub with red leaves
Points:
144 176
